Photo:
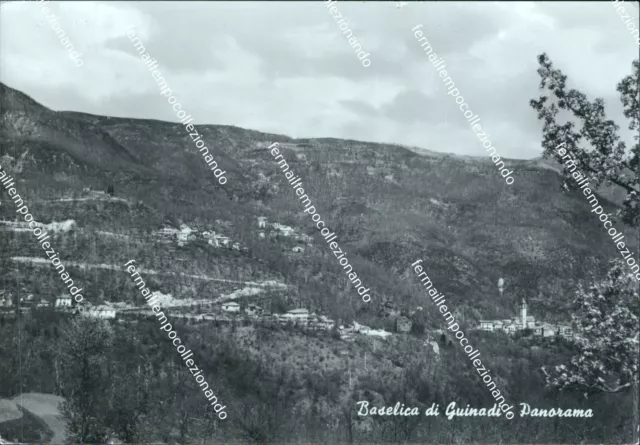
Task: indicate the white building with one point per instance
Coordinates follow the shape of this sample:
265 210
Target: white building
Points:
262 221
327 320
105 312
236 246
284 230
298 314
63 301
526 321
298 249
231 307
510 328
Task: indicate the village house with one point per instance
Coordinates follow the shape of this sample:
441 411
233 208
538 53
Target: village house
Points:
298 249
236 246
63 301
284 230
29 299
565 331
103 311
262 222
298 314
312 321
253 310
326 323
231 307
486 325
281 319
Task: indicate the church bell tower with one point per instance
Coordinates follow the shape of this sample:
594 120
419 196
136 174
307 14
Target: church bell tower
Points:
523 313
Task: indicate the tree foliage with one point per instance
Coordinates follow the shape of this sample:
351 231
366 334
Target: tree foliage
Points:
607 319
83 349
607 160
607 313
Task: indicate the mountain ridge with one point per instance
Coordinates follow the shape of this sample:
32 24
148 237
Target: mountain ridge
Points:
447 203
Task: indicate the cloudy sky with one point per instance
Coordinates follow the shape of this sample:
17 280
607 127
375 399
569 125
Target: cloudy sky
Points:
287 68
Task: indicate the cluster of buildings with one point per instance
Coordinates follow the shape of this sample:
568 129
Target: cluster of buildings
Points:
102 311
63 303
6 301
304 318
300 316
186 234
286 231
217 240
524 321
105 311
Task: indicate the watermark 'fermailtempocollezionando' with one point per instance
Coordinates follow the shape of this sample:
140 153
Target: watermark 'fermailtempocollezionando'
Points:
629 20
439 299
53 21
439 65
184 353
41 235
152 64
583 182
296 183
352 40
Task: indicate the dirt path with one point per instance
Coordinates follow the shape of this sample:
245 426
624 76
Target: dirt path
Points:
45 406
42 261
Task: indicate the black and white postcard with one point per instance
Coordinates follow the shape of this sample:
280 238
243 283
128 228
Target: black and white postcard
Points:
319 222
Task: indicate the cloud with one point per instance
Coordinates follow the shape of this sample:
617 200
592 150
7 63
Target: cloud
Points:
286 67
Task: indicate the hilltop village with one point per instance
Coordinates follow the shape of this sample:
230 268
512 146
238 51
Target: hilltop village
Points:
524 322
